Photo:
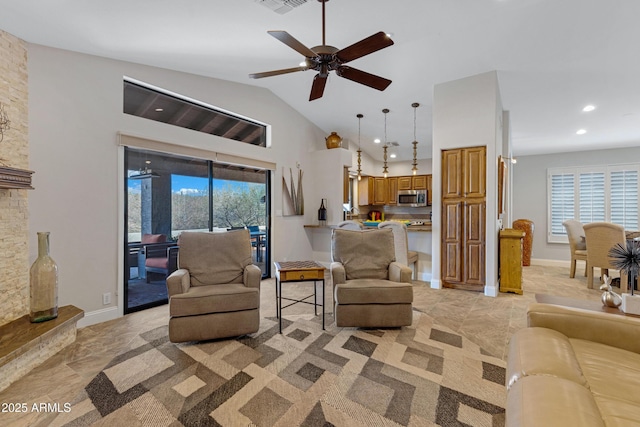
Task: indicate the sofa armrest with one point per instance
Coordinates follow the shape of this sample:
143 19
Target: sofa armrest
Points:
338 274
609 329
399 273
252 276
178 282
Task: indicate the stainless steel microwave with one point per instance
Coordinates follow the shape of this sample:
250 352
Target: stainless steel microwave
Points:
412 198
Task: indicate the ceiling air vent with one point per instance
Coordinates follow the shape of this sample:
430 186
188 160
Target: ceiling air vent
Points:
281 6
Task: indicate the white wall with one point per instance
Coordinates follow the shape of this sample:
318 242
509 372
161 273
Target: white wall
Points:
530 190
75 105
468 113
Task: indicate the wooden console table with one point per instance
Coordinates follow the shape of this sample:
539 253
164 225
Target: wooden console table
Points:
298 271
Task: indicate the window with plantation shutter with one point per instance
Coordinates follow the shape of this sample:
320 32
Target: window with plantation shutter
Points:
592 194
591 202
624 198
562 203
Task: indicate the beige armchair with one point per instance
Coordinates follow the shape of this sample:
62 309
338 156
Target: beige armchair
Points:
215 293
401 243
370 289
577 244
601 237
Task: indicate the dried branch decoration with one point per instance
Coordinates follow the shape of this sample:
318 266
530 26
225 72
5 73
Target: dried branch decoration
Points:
4 121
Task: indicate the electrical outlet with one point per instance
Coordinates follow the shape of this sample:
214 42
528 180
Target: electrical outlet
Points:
106 298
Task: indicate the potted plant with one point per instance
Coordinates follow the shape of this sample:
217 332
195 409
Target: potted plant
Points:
627 258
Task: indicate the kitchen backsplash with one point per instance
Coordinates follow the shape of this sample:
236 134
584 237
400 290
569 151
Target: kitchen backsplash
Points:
395 212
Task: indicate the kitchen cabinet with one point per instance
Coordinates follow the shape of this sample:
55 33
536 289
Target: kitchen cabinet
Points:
419 182
384 191
372 191
404 183
464 218
345 185
380 191
392 195
365 190
475 165
429 191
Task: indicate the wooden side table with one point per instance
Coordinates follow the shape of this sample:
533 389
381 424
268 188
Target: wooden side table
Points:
298 271
511 260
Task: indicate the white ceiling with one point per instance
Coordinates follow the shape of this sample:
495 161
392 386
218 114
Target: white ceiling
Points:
553 57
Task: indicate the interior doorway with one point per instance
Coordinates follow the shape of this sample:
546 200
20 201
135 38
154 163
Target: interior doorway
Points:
167 195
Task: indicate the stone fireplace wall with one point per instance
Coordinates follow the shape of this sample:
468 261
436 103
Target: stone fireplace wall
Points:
14 152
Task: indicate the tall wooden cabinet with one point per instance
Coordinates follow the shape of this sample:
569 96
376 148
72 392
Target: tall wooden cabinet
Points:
463 218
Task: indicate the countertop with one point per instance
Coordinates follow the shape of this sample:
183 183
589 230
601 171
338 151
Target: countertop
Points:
412 228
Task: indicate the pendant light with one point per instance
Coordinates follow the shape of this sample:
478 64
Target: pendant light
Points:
385 169
414 169
359 116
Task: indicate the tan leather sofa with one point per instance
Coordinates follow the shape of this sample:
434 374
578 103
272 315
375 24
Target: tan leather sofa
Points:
573 367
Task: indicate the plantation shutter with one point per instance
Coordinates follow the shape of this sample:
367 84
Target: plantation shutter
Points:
592 198
624 198
562 201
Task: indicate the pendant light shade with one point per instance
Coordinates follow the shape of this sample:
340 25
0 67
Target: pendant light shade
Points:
414 169
359 116
385 169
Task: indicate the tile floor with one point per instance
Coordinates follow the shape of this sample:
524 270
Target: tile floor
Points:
489 322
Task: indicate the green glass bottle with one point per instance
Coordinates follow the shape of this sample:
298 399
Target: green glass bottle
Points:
43 278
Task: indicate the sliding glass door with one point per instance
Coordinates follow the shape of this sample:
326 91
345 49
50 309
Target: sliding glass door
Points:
168 195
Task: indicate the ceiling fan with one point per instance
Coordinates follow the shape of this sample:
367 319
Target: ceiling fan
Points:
325 58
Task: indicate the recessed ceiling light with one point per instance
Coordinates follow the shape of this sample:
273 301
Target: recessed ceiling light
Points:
581 132
588 108
392 155
377 140
159 109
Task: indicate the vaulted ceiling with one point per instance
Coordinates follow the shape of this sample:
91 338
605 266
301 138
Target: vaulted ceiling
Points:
552 58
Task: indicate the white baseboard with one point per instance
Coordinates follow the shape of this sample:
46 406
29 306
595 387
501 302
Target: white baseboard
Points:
98 316
550 262
491 291
435 284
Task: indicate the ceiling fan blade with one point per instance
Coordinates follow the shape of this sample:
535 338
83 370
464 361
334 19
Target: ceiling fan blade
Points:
294 44
277 72
364 47
317 89
363 77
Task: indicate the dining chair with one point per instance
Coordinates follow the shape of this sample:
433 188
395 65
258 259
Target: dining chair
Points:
401 243
600 238
577 245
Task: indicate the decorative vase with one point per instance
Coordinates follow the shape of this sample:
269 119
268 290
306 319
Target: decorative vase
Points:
43 277
527 241
334 140
322 212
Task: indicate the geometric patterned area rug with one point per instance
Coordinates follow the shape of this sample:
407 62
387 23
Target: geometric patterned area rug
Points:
422 375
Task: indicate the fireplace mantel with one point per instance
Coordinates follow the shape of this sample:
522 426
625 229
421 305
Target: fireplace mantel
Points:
12 178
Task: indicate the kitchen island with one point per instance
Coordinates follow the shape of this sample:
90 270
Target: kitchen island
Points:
419 239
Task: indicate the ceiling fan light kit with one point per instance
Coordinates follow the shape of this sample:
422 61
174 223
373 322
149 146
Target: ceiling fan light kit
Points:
385 169
414 169
325 58
359 116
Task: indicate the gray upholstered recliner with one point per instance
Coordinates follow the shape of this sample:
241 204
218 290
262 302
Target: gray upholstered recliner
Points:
370 288
215 293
